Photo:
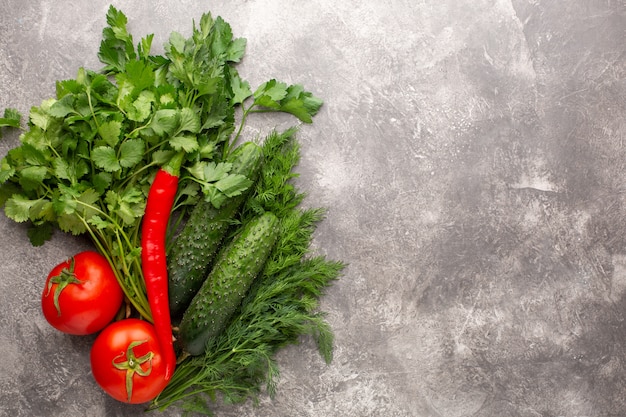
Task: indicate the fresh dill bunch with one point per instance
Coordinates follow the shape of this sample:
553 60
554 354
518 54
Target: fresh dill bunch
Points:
274 191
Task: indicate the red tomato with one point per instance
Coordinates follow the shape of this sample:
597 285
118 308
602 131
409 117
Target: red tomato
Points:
127 363
81 295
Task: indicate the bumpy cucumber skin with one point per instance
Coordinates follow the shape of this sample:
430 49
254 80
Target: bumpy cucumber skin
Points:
235 269
196 246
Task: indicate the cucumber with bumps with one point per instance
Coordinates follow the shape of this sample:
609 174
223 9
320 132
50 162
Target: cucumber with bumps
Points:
235 269
195 248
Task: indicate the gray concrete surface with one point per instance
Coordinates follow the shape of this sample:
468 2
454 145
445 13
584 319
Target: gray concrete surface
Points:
471 154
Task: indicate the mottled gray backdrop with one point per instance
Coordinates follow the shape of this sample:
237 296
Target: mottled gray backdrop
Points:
471 155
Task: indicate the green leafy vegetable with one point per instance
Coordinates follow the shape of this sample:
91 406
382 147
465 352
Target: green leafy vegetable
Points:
11 118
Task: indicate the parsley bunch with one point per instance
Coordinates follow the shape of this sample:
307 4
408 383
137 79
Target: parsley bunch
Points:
88 156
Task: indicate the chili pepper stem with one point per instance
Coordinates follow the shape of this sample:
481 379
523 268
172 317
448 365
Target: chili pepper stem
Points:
172 167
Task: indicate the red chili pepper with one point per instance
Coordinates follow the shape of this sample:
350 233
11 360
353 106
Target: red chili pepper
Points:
153 231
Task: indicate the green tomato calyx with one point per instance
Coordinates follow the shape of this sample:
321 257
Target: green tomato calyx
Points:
65 278
132 365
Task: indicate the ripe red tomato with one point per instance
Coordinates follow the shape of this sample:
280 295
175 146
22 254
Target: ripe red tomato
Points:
127 363
81 295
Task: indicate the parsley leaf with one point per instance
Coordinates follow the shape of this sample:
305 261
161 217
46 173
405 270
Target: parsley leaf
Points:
63 107
117 47
144 47
38 234
300 103
131 152
233 184
184 143
164 122
6 171
32 177
104 157
17 208
212 171
71 223
270 93
236 49
127 205
216 181
291 99
40 117
110 132
101 181
140 109
189 121
241 88
11 118
62 169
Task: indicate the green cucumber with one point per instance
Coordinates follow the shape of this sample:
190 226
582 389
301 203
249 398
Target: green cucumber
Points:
235 269
195 248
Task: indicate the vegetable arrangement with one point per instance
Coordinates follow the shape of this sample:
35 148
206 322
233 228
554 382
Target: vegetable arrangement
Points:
202 271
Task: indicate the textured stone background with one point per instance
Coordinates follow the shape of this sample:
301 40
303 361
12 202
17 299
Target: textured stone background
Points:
471 154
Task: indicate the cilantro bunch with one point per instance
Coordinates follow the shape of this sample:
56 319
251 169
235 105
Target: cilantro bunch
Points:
88 156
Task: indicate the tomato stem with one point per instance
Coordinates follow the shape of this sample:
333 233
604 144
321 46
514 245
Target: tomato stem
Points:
132 365
65 278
